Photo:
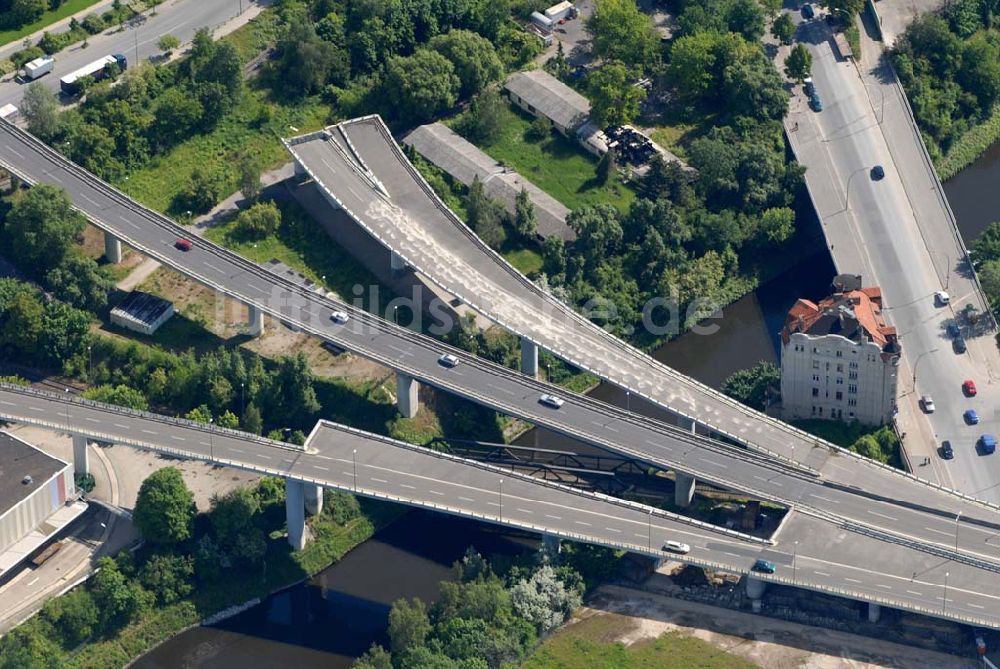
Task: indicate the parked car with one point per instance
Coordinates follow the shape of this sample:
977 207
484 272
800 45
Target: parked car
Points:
877 173
958 343
808 11
448 360
551 401
764 566
927 402
971 417
947 452
809 86
969 387
183 244
676 547
815 103
339 317
941 298
988 443
954 330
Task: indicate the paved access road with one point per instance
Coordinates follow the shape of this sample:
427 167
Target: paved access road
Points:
896 233
180 18
903 508
810 552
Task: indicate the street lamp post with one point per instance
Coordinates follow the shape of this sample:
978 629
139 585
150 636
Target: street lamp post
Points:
90 364
956 530
795 553
944 600
243 399
211 438
919 358
501 500
649 529
354 457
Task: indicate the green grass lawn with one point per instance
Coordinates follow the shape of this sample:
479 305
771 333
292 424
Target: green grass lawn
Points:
677 128
527 261
557 165
590 643
68 8
246 128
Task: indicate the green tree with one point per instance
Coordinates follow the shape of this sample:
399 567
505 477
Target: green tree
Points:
79 281
607 166
22 12
233 517
306 63
164 509
41 110
843 9
176 115
749 386
408 625
487 117
249 179
474 57
203 191
292 397
989 277
745 17
771 7
73 614
252 420
120 395
692 68
614 99
22 322
91 147
224 68
118 601
524 215
168 576
485 215
375 657
28 648
228 420
777 224
420 86
622 32
258 222
168 43
798 64
67 331
43 226
200 414
783 28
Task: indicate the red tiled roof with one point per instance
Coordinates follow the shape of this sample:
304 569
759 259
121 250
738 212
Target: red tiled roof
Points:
849 313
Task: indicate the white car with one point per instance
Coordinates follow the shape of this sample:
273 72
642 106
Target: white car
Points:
941 298
448 360
551 401
928 403
676 547
339 317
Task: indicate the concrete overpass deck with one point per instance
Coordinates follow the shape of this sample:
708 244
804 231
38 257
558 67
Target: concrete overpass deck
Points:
810 552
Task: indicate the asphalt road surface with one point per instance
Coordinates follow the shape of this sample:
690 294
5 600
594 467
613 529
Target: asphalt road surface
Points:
810 552
895 232
874 498
180 18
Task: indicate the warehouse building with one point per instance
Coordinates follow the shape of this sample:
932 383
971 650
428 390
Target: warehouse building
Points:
37 499
463 162
142 312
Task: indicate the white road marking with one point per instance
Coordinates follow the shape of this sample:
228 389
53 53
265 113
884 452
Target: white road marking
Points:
33 581
379 480
149 432
129 221
852 580
880 585
882 515
90 199
435 492
553 517
235 450
36 408
580 522
524 510
825 499
325 469
641 535
325 457
714 464
208 264
91 420
611 529
467 499
975 606
914 592
18 154
6 403
403 485
347 473
821 573
124 427
931 529
256 287
266 457
174 436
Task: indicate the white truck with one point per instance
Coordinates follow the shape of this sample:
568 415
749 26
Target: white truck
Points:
38 67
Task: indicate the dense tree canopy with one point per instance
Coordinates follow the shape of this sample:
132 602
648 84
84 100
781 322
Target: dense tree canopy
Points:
164 509
475 60
614 97
622 32
420 86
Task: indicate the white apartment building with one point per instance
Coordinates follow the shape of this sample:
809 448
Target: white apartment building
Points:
839 359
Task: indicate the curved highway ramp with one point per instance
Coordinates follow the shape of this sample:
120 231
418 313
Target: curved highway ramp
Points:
810 552
855 496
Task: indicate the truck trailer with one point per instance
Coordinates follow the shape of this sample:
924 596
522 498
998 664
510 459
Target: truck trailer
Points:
36 68
70 84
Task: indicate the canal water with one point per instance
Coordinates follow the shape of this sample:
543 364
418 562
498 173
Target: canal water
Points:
974 194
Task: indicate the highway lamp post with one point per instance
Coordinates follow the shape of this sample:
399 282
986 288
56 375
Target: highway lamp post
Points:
919 358
628 400
795 553
957 518
211 438
90 364
649 530
67 409
847 199
501 500
944 600
243 399
354 457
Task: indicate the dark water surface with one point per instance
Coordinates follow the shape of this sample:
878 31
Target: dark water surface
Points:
974 194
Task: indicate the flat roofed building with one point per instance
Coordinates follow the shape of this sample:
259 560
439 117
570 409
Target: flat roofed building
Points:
839 358
541 94
142 312
464 162
34 490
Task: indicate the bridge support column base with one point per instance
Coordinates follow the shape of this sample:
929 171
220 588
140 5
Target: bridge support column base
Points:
529 358
396 263
755 591
314 499
683 489
406 395
112 248
295 513
255 321
551 545
874 612
81 458
687 424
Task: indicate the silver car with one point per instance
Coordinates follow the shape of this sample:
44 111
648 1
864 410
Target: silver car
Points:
551 401
927 402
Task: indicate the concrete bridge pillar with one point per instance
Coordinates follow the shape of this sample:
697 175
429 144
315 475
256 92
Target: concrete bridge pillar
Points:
112 248
406 395
687 424
874 612
755 591
81 458
396 263
551 544
314 499
683 489
295 513
529 358
255 321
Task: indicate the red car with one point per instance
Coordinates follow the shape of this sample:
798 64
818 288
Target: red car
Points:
969 387
183 244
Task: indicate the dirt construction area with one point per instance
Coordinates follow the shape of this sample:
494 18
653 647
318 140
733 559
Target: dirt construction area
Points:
767 642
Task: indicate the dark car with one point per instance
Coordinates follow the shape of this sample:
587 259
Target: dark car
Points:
807 11
958 343
954 330
815 103
988 443
971 417
764 566
947 452
877 173
183 244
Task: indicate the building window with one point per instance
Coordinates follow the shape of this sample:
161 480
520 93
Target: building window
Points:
840 354
828 367
840 367
852 375
854 363
815 364
852 389
840 381
815 392
840 396
851 414
815 350
852 402
815 377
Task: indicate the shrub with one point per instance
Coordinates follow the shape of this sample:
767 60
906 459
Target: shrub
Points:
93 24
539 129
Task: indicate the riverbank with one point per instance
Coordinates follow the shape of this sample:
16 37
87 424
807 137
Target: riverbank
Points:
968 148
